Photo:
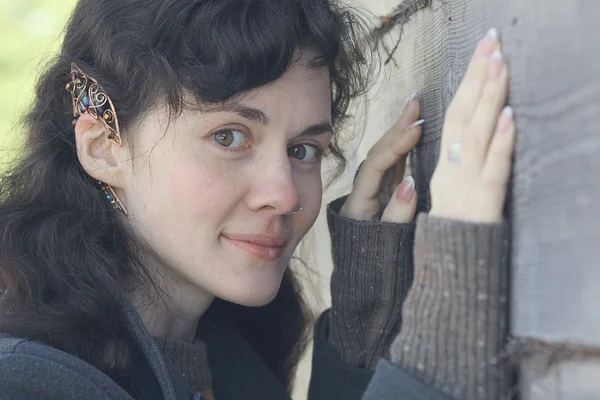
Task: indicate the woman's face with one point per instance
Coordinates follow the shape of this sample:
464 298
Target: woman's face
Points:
213 192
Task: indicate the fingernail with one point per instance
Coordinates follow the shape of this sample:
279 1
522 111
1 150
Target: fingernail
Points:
486 46
409 101
416 123
506 119
497 65
406 190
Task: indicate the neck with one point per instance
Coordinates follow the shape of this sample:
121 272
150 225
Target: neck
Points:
173 315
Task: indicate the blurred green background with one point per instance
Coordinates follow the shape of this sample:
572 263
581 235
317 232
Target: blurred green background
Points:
30 33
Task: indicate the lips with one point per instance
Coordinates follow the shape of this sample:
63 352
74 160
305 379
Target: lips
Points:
263 247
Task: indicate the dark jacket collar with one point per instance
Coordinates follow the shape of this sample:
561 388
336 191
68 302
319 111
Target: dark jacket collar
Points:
237 370
172 389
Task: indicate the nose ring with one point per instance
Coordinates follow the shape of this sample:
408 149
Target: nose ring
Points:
298 209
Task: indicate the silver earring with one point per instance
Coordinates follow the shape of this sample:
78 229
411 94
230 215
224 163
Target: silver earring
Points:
298 209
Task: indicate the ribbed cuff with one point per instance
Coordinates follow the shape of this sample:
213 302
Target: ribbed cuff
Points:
190 359
371 277
455 316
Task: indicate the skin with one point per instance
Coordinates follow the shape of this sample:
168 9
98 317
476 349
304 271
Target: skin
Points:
187 195
193 200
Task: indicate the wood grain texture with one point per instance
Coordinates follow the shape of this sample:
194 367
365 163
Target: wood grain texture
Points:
553 48
564 381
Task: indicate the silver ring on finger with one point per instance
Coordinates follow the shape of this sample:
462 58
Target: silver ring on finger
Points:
455 152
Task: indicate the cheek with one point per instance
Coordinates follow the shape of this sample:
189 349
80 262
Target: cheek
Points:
310 189
191 188
183 207
187 189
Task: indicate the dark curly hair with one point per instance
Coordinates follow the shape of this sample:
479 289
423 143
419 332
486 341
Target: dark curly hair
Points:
65 255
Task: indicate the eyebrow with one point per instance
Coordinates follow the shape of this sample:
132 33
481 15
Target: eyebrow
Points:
256 115
249 113
323 127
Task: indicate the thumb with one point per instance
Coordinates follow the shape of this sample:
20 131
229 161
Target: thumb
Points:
403 204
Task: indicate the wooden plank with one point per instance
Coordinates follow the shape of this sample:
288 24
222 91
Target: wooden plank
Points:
564 381
552 47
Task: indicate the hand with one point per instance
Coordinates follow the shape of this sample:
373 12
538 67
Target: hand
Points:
471 178
380 191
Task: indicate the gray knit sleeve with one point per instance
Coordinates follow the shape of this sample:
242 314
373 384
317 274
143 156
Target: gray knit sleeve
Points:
455 315
371 277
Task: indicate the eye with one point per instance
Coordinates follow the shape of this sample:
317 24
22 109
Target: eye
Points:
230 138
305 152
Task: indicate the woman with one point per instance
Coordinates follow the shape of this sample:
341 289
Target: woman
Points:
147 227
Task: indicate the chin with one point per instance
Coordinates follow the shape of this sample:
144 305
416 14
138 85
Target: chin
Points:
256 301
252 284
254 294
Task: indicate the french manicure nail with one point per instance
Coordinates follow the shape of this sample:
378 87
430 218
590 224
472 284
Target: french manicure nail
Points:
488 43
505 119
406 190
409 101
416 123
493 33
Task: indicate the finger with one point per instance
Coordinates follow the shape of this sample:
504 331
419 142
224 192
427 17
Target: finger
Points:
466 99
391 179
395 144
493 99
410 116
496 171
400 170
403 204
410 113
378 162
390 151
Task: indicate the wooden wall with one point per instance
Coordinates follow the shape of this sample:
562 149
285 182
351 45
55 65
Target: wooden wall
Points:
553 49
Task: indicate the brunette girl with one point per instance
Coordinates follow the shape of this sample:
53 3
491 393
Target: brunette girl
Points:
173 164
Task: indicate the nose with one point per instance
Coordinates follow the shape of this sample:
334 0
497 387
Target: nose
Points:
273 186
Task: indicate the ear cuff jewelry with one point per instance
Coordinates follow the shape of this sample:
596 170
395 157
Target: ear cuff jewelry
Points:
90 98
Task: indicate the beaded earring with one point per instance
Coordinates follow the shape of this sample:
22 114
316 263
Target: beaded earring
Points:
111 196
89 97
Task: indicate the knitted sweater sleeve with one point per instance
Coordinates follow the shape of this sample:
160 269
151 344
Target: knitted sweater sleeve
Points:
371 278
455 315
444 329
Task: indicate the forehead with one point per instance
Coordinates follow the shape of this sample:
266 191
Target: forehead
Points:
303 70
302 89
299 98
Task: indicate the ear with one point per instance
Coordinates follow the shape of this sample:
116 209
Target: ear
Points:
99 156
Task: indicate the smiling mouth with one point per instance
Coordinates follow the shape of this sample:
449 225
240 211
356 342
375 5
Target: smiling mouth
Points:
259 246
